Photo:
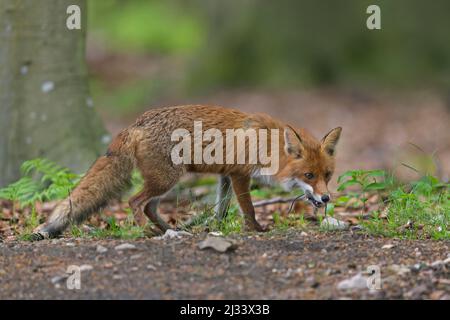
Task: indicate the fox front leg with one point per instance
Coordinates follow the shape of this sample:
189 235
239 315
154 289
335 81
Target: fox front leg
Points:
241 188
223 197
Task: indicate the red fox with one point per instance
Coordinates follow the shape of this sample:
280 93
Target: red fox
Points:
147 145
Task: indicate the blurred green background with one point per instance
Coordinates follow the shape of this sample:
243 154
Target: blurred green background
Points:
192 46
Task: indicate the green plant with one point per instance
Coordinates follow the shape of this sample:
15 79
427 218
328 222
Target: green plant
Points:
119 230
42 180
329 209
420 209
290 221
366 181
232 223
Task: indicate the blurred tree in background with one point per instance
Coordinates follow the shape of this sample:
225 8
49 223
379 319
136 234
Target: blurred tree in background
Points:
44 98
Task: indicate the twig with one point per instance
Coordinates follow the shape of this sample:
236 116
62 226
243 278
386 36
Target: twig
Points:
263 203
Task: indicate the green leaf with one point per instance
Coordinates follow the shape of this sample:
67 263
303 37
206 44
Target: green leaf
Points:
342 200
375 186
347 184
375 173
351 173
330 209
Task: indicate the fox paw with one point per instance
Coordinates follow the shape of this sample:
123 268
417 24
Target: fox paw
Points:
38 236
256 228
40 233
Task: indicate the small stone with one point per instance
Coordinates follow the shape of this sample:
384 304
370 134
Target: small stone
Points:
125 246
172 234
398 269
303 234
437 264
288 273
86 267
356 282
135 256
47 86
70 244
331 223
418 266
357 227
388 246
101 249
24 69
57 279
151 267
217 243
117 276
312 282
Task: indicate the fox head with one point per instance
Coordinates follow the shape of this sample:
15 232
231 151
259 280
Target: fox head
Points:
309 163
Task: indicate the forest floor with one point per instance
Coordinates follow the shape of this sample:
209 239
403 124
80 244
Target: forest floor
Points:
292 263
276 265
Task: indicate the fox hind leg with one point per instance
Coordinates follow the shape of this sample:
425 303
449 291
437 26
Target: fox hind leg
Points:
151 211
146 202
135 203
156 184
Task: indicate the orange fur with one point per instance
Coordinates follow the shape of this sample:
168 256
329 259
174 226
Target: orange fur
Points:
147 145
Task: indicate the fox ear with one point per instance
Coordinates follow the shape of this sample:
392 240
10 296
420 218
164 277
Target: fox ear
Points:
292 142
330 141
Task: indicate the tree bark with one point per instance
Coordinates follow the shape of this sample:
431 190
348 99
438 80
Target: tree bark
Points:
45 107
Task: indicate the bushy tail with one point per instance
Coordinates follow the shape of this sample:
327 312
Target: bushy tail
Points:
108 177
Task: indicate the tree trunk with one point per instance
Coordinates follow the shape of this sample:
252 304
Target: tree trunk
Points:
45 108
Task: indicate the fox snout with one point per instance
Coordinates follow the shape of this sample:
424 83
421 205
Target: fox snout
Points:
316 199
325 198
317 194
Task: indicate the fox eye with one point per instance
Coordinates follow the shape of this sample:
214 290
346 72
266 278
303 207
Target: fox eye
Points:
328 175
309 175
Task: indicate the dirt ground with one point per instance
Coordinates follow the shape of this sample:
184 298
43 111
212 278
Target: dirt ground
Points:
288 265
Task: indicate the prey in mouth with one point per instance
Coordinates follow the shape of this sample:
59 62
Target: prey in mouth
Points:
315 199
